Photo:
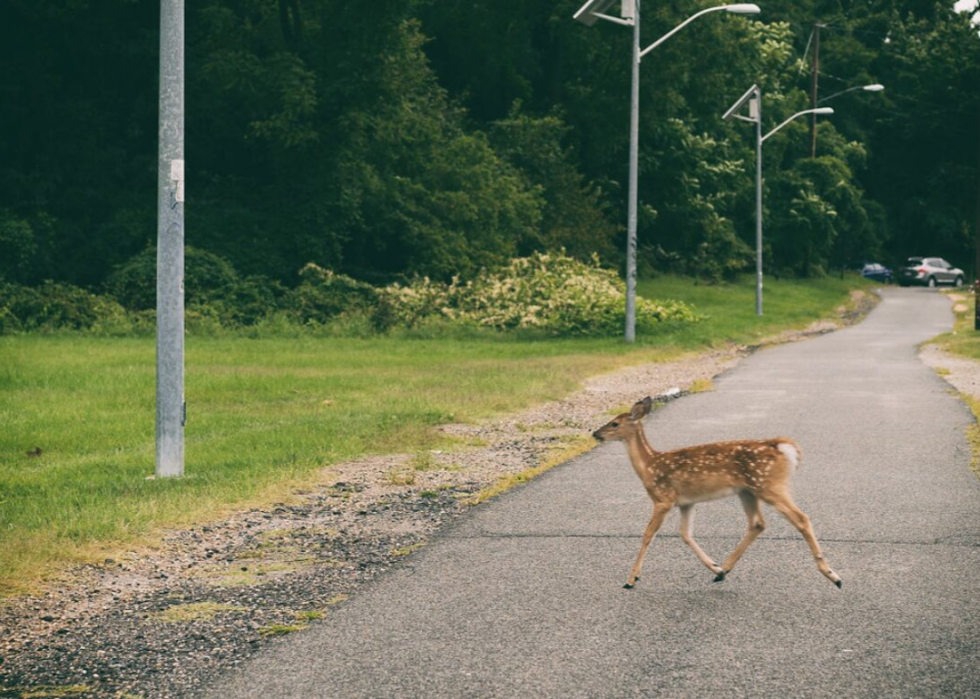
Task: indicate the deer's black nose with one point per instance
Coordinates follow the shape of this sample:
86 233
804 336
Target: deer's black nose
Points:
597 436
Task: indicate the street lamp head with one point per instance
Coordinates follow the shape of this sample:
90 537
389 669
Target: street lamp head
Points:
732 113
743 9
873 88
587 13
823 110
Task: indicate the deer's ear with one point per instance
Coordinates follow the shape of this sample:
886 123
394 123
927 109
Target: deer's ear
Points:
641 409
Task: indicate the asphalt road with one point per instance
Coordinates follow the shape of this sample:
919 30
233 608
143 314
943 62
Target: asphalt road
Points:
524 597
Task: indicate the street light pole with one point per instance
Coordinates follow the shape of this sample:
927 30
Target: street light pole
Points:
976 274
814 87
758 200
171 413
753 98
629 334
588 14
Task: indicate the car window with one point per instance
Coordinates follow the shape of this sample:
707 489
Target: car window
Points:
913 261
942 263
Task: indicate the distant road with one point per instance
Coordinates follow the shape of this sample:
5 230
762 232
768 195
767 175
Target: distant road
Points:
524 597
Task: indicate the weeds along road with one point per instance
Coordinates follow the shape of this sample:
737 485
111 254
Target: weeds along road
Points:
524 598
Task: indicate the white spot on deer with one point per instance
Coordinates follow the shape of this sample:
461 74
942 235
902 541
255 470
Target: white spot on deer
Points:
790 452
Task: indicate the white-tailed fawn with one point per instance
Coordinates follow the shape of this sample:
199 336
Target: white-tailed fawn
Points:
752 469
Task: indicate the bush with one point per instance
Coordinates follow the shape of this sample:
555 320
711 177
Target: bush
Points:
324 294
207 278
54 306
17 247
549 292
212 289
247 301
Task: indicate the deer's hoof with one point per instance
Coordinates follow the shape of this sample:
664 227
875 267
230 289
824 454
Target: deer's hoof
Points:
839 584
627 586
720 577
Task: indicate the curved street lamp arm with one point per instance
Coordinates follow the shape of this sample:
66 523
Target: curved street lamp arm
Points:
680 26
838 94
869 88
819 110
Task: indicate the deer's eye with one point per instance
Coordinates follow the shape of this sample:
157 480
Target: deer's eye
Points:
615 424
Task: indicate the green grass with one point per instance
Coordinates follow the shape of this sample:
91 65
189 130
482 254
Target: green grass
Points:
963 340
281 629
266 414
786 304
45 691
195 611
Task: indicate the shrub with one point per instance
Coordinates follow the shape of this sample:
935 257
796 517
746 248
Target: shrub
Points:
207 277
212 289
551 292
324 294
17 246
54 306
247 301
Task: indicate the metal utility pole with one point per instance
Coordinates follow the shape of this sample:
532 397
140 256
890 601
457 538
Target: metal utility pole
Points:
976 281
756 106
814 88
588 14
630 331
753 98
171 410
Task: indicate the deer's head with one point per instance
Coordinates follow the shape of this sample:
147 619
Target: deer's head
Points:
625 425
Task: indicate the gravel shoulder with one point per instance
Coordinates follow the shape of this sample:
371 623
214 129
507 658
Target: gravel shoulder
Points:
161 622
961 373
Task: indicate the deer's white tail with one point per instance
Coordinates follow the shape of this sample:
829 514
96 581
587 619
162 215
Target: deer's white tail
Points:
791 452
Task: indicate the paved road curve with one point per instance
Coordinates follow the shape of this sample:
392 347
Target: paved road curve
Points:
524 598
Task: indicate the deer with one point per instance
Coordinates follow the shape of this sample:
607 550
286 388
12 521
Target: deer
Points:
753 470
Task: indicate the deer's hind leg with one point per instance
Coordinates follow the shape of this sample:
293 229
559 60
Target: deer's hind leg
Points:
687 512
756 525
783 501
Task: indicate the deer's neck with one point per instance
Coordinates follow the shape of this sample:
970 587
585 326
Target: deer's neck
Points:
641 454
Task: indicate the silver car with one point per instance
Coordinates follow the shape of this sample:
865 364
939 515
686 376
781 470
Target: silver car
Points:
929 271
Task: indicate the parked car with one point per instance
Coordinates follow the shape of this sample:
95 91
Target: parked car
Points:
929 271
876 271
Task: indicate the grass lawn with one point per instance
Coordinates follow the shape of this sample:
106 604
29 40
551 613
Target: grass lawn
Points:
264 414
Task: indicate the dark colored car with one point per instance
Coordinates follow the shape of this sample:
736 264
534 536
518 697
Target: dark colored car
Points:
929 271
878 272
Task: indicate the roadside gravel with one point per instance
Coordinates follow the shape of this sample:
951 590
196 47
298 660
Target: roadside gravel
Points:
161 622
961 373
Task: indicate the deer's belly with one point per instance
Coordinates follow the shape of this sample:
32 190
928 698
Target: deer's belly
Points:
689 497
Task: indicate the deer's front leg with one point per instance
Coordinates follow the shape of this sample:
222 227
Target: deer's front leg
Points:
756 524
660 511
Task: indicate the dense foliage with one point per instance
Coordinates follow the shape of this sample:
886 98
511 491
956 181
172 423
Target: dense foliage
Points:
550 292
442 138
547 293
